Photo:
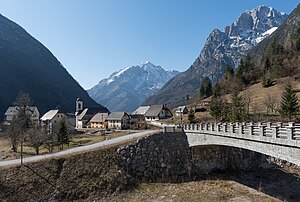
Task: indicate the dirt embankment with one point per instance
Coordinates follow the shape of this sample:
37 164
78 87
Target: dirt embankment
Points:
72 178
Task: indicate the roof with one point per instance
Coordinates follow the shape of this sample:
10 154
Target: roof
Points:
99 117
180 108
141 110
154 110
49 115
89 112
82 114
116 116
207 99
12 111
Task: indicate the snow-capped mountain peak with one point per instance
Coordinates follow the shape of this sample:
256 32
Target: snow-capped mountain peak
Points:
249 29
253 23
222 47
130 85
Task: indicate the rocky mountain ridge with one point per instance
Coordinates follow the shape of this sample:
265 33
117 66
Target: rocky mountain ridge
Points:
222 48
127 88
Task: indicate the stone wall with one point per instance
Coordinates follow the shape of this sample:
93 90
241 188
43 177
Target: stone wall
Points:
167 157
160 157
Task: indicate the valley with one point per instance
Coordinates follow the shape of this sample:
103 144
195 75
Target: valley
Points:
225 128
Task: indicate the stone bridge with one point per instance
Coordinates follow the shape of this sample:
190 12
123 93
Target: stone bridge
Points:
278 140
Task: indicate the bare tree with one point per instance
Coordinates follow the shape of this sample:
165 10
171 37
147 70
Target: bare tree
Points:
21 122
193 102
247 97
271 103
14 135
36 137
50 140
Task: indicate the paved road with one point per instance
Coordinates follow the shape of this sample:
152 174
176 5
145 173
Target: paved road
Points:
80 149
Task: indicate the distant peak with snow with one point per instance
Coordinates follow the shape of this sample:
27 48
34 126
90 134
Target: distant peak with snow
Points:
146 66
128 88
256 22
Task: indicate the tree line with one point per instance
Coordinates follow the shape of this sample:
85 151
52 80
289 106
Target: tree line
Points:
237 109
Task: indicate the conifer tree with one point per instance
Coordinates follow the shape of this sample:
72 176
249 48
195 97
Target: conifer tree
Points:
228 72
217 91
237 108
289 102
62 134
191 116
216 107
206 88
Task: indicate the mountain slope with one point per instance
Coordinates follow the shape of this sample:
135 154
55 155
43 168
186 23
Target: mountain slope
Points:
126 89
221 48
26 65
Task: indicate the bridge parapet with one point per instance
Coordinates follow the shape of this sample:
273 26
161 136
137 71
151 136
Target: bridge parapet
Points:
274 133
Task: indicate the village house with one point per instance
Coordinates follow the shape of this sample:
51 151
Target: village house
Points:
157 112
181 110
136 118
84 115
139 114
52 119
99 121
12 112
118 120
141 110
205 102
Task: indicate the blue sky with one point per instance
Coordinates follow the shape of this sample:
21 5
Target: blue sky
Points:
93 38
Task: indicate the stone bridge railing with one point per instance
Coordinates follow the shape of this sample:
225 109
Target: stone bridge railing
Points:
274 133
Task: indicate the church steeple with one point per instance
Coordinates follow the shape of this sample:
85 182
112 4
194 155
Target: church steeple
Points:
79 105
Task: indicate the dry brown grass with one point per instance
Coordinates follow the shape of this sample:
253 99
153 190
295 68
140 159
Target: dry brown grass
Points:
259 93
258 96
78 140
206 191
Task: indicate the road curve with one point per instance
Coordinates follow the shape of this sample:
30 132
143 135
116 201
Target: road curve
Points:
80 148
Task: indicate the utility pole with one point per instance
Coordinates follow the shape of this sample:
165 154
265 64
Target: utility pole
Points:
22 135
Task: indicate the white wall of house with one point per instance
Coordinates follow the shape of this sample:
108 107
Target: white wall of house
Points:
53 124
79 124
116 124
119 124
162 114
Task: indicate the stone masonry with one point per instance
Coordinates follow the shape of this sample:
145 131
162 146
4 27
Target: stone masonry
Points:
160 157
167 157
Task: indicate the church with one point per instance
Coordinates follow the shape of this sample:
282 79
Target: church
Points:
84 115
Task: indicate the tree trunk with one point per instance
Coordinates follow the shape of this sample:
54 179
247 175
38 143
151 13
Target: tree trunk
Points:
14 148
37 150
